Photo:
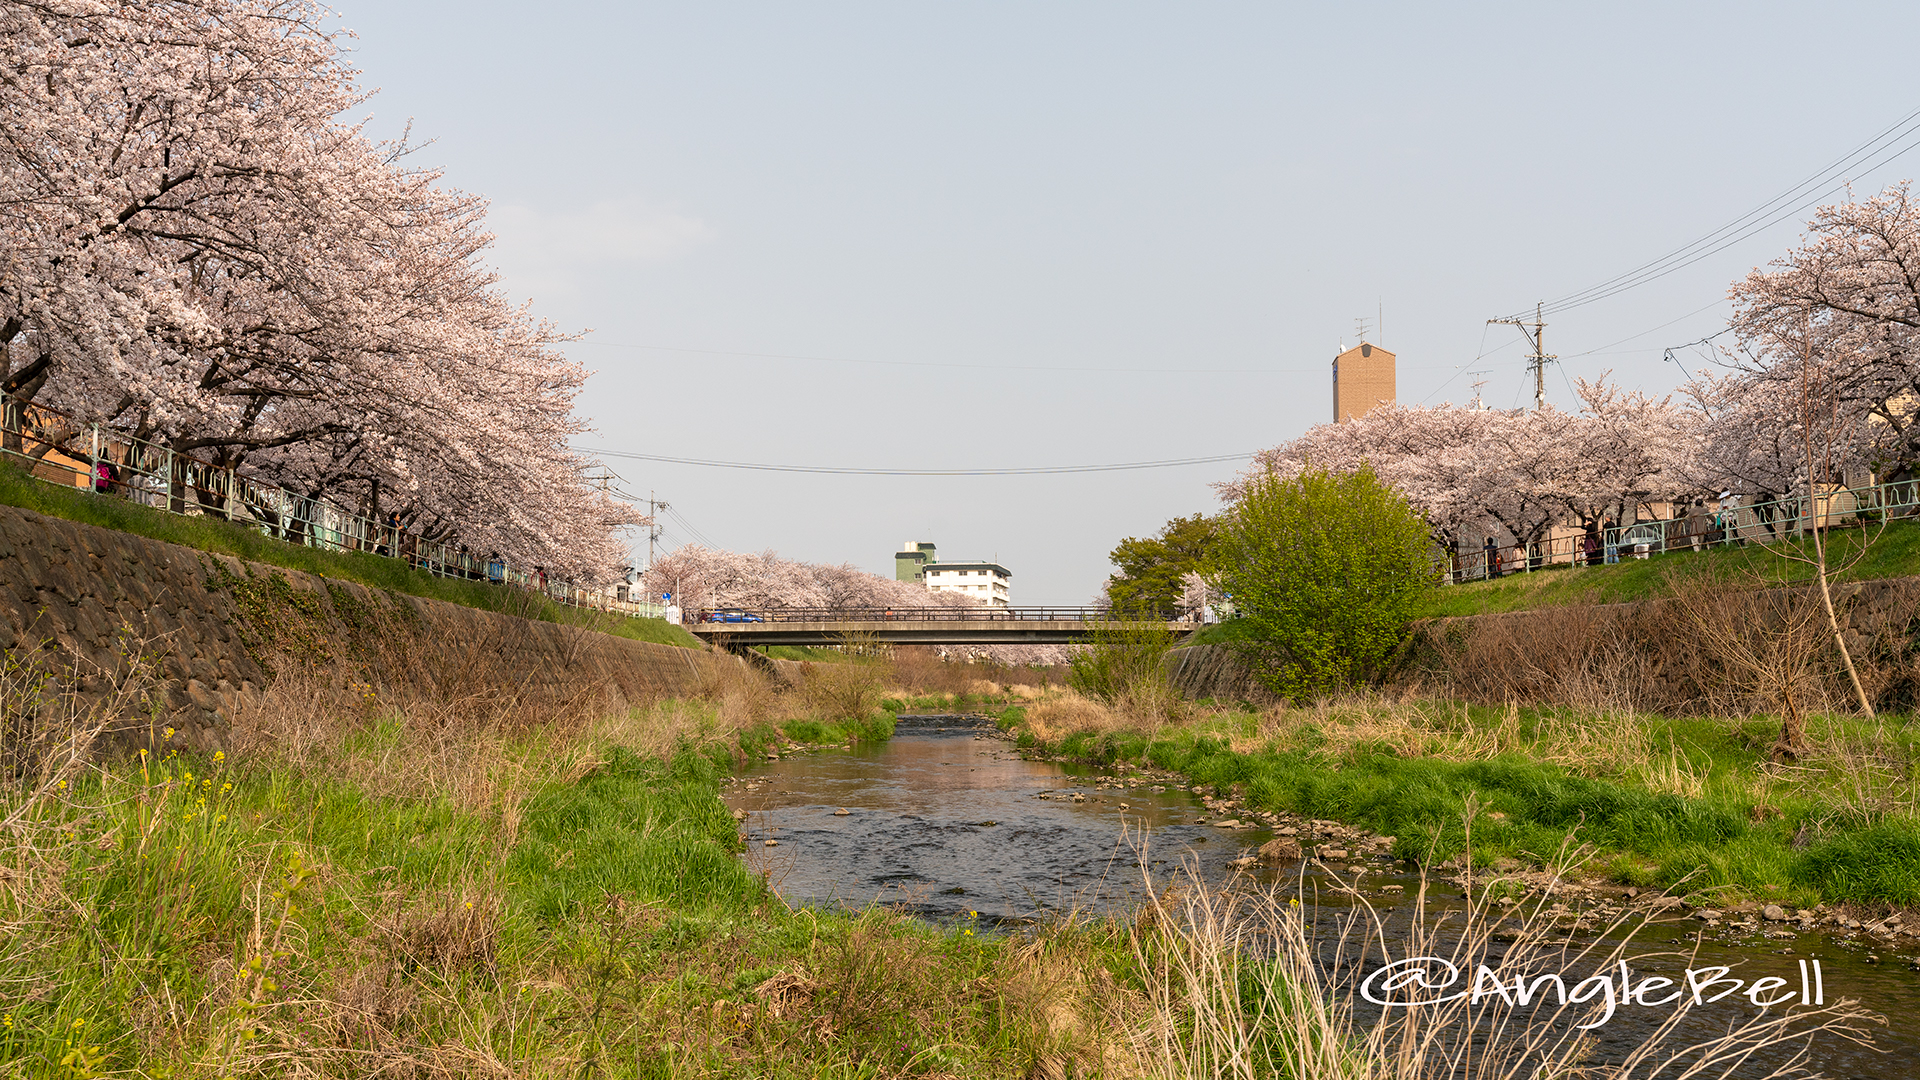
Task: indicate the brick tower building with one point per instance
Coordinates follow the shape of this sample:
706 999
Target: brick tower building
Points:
1362 380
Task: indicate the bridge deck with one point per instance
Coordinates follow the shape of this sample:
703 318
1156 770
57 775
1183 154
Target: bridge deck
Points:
918 626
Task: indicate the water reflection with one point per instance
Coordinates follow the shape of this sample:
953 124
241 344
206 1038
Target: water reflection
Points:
947 821
944 821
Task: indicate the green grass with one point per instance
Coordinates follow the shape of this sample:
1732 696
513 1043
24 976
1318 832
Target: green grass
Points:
1220 633
1554 778
226 538
200 916
1891 552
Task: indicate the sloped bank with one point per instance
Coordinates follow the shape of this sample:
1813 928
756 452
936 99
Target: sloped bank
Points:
1649 655
85 606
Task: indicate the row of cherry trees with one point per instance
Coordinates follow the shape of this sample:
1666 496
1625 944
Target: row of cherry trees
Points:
197 250
1823 357
701 577
1471 471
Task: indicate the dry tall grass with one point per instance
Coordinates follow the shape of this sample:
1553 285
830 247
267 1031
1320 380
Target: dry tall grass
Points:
1246 983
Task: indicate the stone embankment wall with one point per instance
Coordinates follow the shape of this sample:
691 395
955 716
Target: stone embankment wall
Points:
1709 651
1200 672
94 609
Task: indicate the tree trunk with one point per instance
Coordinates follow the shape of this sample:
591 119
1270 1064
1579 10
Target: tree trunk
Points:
1840 641
1792 745
1826 593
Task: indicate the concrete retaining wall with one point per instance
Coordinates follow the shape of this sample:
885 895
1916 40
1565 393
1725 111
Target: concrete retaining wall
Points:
1199 672
81 603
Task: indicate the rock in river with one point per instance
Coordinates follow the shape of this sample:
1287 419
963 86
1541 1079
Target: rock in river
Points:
1280 850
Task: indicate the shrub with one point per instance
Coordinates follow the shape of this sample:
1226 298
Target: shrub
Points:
1328 569
1123 663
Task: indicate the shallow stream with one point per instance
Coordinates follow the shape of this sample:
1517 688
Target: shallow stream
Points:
947 821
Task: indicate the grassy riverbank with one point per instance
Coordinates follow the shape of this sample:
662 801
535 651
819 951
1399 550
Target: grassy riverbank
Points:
1689 804
223 537
364 886
1890 553
433 889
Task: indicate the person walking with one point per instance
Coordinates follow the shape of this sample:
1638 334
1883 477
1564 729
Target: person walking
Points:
1492 555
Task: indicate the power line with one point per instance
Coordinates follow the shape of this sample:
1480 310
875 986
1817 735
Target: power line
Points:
1644 333
1788 203
966 367
1055 470
1463 367
689 526
1708 340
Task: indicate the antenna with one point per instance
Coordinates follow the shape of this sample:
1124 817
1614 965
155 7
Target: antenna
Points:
1539 358
1477 384
1360 328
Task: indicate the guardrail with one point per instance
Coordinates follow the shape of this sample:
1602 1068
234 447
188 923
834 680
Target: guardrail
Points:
1719 523
747 616
107 463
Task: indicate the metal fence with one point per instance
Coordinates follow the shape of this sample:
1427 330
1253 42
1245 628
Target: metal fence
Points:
112 464
1732 521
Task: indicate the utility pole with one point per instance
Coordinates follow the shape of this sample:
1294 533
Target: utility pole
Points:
654 506
1538 360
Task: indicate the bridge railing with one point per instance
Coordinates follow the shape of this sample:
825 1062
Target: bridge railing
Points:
738 617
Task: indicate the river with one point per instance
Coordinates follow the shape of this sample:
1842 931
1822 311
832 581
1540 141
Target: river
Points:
949 822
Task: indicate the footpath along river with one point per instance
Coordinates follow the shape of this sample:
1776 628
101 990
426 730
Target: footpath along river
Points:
947 819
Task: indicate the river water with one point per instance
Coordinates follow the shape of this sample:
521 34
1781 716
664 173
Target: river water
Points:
948 822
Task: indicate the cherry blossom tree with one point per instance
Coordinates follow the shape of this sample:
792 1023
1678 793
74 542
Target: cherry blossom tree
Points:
1472 472
195 250
1746 439
1847 300
703 577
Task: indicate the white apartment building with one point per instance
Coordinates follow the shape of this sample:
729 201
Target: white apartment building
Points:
918 561
986 582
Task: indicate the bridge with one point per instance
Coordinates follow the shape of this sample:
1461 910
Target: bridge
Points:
739 628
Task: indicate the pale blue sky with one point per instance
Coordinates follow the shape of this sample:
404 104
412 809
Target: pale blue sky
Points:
1214 192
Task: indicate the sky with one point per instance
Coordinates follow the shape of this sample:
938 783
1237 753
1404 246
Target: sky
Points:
914 236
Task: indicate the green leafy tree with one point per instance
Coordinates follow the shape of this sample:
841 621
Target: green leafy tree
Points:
1327 569
1152 571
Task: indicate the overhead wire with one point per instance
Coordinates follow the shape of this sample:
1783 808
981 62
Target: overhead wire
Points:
1788 203
1644 333
689 526
1052 470
1693 344
968 367
1463 367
